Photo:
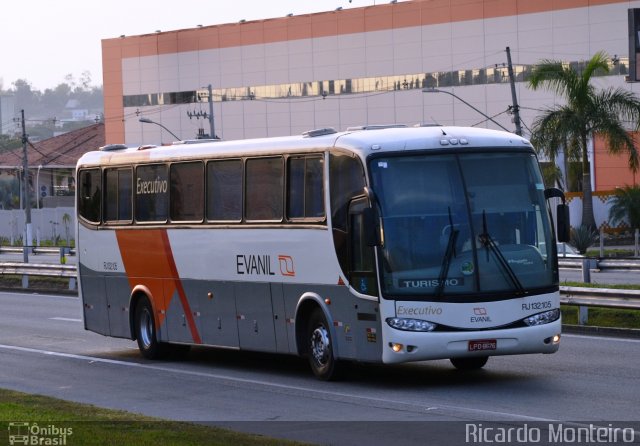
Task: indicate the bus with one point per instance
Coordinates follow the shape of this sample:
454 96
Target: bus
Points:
378 244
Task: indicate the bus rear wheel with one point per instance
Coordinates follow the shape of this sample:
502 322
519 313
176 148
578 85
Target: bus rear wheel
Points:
320 347
474 363
145 329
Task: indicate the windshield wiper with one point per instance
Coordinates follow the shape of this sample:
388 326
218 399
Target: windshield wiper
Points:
446 261
488 243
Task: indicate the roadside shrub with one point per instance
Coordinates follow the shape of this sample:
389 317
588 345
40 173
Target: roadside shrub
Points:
583 238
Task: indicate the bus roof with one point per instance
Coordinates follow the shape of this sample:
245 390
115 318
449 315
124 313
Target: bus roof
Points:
362 141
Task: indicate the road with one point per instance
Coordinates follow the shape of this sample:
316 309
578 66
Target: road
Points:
45 350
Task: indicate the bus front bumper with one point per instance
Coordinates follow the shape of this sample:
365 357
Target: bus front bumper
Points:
404 346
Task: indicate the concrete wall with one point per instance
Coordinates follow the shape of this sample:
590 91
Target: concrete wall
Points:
46 223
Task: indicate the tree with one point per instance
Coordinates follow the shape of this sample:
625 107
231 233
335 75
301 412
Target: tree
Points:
625 205
587 112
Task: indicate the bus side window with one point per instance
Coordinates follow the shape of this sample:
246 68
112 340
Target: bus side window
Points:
305 197
89 198
187 191
224 190
264 189
117 197
152 193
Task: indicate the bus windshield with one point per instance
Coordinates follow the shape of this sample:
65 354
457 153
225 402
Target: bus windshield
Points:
465 224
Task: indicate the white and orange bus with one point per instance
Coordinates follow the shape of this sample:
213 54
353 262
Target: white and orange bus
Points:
373 245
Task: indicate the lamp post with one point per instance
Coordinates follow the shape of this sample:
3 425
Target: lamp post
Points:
149 121
435 90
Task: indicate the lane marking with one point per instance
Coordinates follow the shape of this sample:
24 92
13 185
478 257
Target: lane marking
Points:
382 403
66 319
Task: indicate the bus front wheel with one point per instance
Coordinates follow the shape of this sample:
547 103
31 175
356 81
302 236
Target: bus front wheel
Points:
474 363
145 327
320 347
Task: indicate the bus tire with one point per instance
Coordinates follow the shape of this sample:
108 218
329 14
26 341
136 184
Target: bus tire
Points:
474 363
146 334
320 347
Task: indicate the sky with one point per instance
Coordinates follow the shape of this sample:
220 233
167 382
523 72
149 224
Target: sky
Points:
43 41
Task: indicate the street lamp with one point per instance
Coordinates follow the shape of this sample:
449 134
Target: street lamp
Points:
149 121
435 90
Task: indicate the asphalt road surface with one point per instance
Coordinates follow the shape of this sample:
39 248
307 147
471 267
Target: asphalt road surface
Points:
45 350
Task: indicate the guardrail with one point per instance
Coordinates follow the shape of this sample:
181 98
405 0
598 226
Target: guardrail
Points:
41 269
599 263
38 250
598 297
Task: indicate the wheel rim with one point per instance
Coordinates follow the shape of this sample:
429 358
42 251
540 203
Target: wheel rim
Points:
146 328
320 346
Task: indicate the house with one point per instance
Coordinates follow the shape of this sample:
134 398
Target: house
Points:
51 168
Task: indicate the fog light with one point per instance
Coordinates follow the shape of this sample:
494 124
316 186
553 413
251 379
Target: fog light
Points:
556 339
395 347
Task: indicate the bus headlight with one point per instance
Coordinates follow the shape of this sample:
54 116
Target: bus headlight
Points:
400 323
543 318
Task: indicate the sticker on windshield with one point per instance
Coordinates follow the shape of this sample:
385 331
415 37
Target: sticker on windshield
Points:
382 164
539 186
467 268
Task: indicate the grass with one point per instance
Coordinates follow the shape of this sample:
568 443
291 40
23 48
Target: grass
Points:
36 283
611 252
90 425
602 317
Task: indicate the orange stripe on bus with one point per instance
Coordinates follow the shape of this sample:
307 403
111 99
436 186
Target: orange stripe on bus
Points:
148 260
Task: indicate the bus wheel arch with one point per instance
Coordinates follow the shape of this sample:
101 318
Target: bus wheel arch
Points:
138 293
315 338
144 328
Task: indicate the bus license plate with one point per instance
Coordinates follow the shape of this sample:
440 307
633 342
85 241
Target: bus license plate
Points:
482 344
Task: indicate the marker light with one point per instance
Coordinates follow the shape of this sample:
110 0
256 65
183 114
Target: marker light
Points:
543 318
400 323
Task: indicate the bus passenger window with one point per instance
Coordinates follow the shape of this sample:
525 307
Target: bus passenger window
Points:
264 182
89 198
224 190
305 197
187 192
152 193
117 206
